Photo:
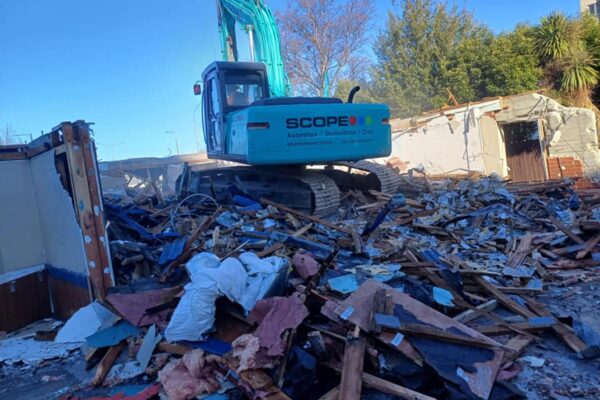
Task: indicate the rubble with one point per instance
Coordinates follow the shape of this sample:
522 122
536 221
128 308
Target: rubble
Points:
427 294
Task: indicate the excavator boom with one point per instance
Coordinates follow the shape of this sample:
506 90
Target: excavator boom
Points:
265 44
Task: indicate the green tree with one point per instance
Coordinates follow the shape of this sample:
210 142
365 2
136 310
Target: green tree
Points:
590 33
552 37
512 66
414 53
567 50
489 65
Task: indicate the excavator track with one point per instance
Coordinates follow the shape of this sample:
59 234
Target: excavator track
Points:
313 191
374 177
308 191
326 194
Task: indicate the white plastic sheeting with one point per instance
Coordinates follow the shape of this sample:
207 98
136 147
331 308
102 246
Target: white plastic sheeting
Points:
85 322
243 281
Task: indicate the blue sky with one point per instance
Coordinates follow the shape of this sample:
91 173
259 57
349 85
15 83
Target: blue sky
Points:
129 66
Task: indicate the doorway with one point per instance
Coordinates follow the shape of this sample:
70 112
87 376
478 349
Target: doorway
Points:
525 158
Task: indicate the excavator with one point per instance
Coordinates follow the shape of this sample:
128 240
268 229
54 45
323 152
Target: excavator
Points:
297 151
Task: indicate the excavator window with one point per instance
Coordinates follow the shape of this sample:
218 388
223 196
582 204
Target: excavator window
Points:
214 134
243 89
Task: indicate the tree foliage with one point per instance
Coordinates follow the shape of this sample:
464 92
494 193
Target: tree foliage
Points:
429 48
578 72
567 49
322 42
552 37
490 65
414 53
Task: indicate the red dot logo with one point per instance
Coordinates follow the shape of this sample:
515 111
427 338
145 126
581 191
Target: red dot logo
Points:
352 120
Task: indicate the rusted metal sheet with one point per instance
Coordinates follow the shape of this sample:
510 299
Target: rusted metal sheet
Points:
526 161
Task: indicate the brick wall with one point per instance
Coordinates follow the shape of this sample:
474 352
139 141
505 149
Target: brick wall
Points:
564 167
569 167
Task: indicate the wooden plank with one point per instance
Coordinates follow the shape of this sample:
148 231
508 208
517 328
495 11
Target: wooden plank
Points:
503 299
435 333
393 389
173 348
303 230
476 312
378 308
565 229
525 247
492 330
77 169
270 250
560 329
516 347
96 213
106 363
201 228
354 359
311 218
589 246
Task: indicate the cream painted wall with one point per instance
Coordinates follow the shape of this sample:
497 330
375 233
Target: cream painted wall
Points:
63 241
37 220
443 146
21 241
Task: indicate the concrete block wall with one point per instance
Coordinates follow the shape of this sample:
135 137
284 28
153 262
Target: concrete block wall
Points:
570 132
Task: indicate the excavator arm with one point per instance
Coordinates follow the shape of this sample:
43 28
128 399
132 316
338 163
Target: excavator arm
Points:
265 43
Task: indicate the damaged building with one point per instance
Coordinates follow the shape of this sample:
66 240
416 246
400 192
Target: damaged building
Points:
526 137
115 287
54 255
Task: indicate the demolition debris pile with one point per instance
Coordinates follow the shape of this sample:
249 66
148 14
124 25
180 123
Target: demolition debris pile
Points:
428 293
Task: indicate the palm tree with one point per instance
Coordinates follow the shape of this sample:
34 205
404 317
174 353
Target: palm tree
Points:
565 48
579 76
551 37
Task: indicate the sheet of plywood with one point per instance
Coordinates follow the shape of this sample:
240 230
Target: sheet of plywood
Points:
480 381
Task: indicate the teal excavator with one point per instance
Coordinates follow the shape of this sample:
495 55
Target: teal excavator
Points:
297 151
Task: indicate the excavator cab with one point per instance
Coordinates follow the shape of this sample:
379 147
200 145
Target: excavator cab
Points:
229 87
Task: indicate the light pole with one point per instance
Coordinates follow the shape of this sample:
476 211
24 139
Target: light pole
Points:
176 142
196 127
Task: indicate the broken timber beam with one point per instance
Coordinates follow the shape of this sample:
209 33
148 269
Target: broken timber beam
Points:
561 329
589 246
474 313
106 363
354 358
391 388
565 229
